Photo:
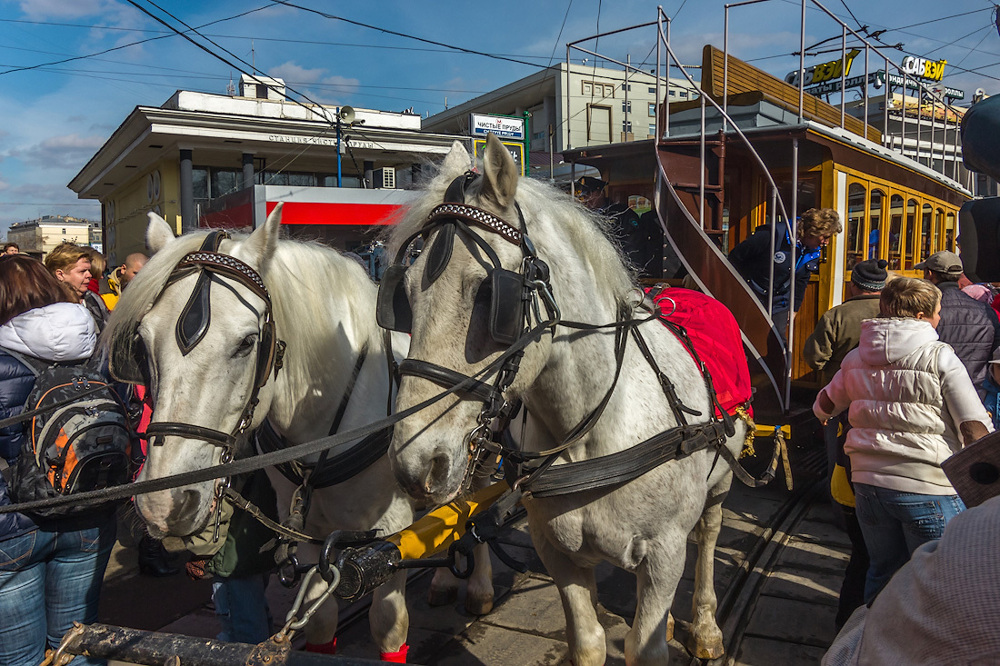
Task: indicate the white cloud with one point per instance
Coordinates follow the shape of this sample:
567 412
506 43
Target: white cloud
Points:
58 152
42 9
293 73
344 84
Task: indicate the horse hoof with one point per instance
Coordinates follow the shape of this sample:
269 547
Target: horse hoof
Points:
670 627
442 596
478 605
706 652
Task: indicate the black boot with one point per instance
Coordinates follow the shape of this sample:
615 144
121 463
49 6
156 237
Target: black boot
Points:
153 559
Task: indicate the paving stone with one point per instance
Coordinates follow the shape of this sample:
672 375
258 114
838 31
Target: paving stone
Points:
762 651
533 606
813 556
793 621
822 532
813 586
490 645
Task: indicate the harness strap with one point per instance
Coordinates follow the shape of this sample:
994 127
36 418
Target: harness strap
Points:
154 431
447 378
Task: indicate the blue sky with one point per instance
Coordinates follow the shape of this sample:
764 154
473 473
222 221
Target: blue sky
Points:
55 116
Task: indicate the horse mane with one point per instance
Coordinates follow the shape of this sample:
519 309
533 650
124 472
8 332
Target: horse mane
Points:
300 278
553 218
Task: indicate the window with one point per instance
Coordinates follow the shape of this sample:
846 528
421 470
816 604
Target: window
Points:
652 109
895 231
949 232
225 181
652 90
673 93
856 196
684 94
628 86
598 123
875 217
927 233
911 232
626 106
64 232
199 180
652 129
626 126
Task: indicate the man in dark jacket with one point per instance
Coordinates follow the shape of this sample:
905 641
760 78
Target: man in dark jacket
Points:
753 260
970 327
640 238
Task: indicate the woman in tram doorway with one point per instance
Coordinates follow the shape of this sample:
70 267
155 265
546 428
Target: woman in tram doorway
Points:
911 405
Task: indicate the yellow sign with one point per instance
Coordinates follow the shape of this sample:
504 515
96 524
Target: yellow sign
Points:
923 68
823 72
515 148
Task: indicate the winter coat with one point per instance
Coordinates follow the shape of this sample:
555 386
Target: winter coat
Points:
971 328
837 332
752 259
908 394
63 332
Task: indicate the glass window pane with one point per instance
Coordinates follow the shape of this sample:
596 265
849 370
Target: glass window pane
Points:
895 231
875 223
855 224
302 179
911 231
927 240
199 181
949 232
225 181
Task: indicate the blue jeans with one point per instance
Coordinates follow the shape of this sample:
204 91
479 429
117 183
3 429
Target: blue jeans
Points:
242 608
48 580
894 524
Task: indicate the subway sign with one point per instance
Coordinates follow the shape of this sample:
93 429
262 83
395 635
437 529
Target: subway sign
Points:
922 68
823 72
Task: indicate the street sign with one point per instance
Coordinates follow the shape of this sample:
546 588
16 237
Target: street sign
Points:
516 151
503 127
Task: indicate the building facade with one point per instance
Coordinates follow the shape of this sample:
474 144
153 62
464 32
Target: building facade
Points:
39 237
571 106
203 159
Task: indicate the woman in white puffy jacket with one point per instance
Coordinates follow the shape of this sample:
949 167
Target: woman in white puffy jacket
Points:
911 405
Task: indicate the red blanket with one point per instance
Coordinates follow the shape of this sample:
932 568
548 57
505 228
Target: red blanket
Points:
715 336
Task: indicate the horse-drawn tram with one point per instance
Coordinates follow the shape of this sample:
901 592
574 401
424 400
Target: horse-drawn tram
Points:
569 457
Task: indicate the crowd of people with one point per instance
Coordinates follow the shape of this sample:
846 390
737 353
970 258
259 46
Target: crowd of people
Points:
51 569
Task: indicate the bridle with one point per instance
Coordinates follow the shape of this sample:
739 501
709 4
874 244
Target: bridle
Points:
192 325
514 301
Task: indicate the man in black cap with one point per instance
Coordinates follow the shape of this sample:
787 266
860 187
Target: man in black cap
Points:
970 327
636 237
837 332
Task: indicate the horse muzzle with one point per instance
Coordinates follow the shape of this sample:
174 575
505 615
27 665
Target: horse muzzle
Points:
178 512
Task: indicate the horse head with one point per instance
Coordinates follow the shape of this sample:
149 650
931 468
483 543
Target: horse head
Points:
205 333
465 281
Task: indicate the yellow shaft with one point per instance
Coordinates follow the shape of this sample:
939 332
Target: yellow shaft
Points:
444 525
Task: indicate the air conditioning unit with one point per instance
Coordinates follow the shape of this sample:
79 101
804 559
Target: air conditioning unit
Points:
384 178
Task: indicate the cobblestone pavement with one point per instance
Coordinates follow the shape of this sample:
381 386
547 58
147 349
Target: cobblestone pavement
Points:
783 602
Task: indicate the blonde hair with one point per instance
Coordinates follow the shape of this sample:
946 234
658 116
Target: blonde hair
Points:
98 264
908 297
820 222
64 257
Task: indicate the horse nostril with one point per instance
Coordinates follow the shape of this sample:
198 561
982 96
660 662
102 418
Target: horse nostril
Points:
437 474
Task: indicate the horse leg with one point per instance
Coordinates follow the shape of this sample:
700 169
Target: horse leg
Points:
444 588
656 581
321 630
577 588
389 619
705 638
479 588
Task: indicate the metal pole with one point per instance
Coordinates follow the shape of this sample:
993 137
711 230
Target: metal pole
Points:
843 74
902 118
340 182
802 60
793 234
725 71
567 118
667 95
866 90
628 61
770 263
955 170
188 220
933 127
885 106
920 117
656 77
701 169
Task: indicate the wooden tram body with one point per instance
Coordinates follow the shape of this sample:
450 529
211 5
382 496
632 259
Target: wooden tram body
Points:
711 193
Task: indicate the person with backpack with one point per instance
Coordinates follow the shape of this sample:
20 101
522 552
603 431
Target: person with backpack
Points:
51 567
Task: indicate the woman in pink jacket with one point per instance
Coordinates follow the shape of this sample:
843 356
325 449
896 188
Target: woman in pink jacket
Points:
911 405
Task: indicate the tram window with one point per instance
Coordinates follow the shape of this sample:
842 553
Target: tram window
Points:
855 224
895 231
949 231
939 230
911 232
875 223
927 232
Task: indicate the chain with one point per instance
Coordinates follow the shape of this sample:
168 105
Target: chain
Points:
292 622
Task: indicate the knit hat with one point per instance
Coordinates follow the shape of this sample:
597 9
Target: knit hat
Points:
942 262
980 292
996 356
870 275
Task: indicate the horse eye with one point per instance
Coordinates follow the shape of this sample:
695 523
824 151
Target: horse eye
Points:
246 345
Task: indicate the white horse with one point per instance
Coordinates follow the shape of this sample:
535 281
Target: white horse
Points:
323 308
641 526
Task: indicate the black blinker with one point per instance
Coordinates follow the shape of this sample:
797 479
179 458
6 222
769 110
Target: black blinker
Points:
196 316
506 308
439 254
392 309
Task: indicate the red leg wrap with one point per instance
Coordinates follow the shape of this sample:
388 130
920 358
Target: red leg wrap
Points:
398 657
323 648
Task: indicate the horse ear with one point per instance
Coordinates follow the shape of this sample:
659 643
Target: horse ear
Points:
500 182
158 233
260 246
457 161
